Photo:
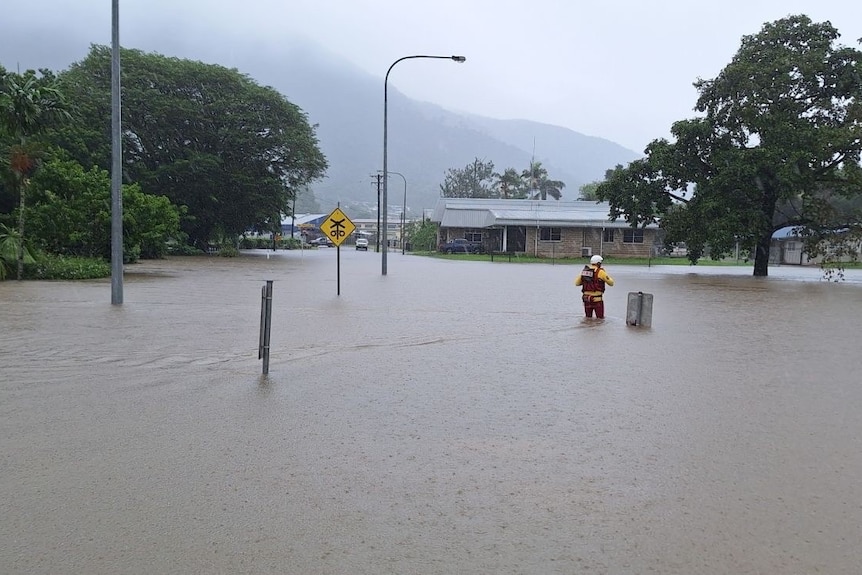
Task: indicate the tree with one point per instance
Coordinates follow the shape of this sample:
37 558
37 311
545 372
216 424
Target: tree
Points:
10 248
588 191
779 141
475 180
422 235
539 186
71 214
206 137
28 105
511 185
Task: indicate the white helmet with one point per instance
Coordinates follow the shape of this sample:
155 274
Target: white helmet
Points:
596 259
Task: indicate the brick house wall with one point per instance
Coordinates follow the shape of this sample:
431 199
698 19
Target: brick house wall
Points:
572 241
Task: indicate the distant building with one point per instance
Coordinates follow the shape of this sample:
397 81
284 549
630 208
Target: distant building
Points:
542 228
302 222
788 247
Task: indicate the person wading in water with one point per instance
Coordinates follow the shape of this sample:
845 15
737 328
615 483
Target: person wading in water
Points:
592 280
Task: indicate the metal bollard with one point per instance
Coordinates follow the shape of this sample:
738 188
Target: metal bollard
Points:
265 324
639 309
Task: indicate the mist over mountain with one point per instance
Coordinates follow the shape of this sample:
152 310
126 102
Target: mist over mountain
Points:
346 103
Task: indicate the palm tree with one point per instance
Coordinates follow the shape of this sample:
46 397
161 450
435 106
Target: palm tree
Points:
10 246
539 185
27 106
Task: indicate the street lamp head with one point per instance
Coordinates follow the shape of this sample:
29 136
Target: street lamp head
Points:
459 59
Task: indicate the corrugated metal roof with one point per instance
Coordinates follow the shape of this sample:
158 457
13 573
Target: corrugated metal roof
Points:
304 219
466 218
484 213
788 232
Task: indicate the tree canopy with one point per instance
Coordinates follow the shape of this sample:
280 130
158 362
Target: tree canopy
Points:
229 151
475 180
778 143
479 180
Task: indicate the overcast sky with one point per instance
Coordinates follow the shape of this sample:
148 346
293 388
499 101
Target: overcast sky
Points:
618 69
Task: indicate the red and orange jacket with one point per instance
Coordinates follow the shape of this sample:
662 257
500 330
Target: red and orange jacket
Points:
592 280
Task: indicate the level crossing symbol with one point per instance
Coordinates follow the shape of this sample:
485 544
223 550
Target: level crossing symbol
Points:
337 226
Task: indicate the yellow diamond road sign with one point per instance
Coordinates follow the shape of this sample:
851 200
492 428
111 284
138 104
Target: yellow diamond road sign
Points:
337 226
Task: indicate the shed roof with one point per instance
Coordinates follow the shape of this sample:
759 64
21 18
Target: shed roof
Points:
302 219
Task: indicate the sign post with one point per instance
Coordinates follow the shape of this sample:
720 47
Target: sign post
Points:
337 226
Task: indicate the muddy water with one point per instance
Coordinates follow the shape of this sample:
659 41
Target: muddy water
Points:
450 417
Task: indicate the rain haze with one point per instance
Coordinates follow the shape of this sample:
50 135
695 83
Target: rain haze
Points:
451 416
618 70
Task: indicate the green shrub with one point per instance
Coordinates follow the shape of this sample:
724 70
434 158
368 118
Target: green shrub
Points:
175 249
290 244
54 267
228 251
70 213
246 243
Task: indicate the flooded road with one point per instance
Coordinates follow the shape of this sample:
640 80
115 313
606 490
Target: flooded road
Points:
451 417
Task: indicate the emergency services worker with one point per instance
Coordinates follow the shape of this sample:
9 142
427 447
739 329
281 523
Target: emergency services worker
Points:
592 280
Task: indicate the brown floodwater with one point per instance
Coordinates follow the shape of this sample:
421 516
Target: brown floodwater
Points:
450 417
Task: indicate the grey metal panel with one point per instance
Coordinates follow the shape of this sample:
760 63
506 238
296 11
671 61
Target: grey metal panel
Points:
639 309
467 219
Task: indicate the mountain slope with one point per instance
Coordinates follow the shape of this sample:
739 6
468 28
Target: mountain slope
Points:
424 140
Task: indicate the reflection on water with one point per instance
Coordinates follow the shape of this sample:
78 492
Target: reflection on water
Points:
450 417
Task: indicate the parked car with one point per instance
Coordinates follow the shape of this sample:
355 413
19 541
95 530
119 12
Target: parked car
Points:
322 241
460 246
362 244
677 250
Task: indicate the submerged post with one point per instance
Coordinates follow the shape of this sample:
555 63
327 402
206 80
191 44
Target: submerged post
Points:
265 324
639 309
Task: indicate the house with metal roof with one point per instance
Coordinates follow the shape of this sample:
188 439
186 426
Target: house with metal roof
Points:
542 228
788 247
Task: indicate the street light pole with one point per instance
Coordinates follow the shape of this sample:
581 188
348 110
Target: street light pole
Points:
116 162
459 59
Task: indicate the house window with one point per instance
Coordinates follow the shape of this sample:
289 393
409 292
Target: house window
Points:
633 236
473 235
550 234
608 236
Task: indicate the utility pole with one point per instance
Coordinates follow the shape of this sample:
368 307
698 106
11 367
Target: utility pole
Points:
379 179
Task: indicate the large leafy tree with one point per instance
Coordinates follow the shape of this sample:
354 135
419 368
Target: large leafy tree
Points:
29 103
209 138
778 143
475 180
511 184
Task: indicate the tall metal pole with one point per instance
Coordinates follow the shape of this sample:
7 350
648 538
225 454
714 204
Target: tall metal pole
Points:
116 162
377 232
459 59
403 215
293 217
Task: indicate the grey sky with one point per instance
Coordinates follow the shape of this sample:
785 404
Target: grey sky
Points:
621 70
